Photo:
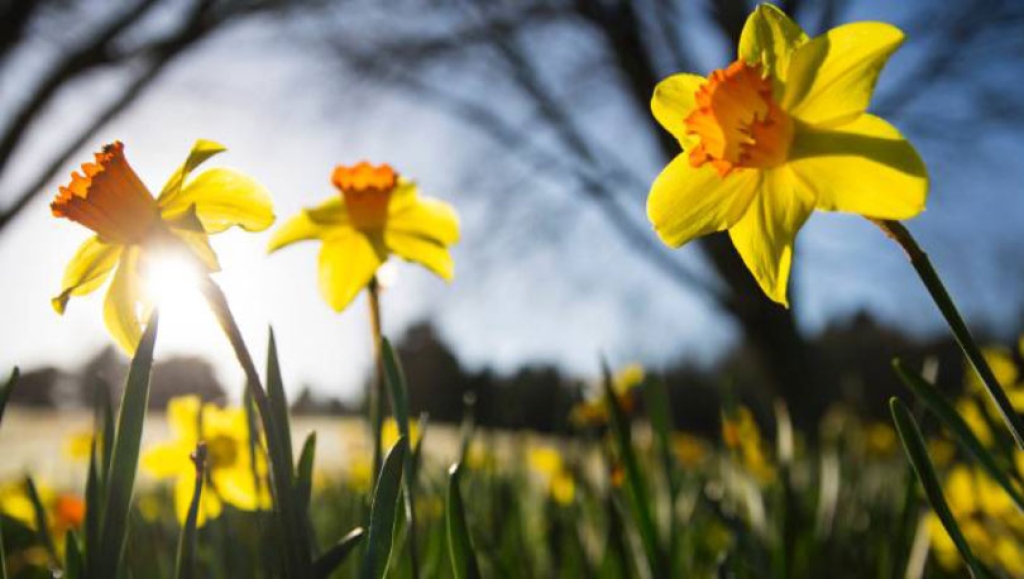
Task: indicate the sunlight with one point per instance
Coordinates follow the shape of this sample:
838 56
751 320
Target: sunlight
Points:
171 280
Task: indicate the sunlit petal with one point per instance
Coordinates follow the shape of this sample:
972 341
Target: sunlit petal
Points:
223 198
201 151
428 218
166 460
769 38
310 224
425 251
831 78
765 235
348 261
864 167
673 101
125 303
687 202
87 270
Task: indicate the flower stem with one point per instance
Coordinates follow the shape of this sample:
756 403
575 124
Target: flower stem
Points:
377 388
919 260
297 550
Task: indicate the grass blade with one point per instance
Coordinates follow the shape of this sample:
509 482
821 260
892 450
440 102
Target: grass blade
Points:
304 473
917 453
963 434
460 548
73 566
120 480
337 554
639 502
383 511
394 379
185 563
278 400
658 407
42 525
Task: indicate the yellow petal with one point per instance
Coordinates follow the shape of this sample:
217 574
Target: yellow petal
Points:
223 198
426 252
672 102
769 38
167 460
427 218
831 78
863 167
183 418
686 202
87 270
201 151
348 261
309 224
764 236
238 489
210 506
125 303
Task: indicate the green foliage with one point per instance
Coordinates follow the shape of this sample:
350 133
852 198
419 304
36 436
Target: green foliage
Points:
383 512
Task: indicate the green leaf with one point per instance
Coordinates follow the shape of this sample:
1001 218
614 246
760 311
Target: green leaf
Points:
395 381
963 434
278 399
120 480
914 446
304 475
383 511
185 563
107 429
636 486
460 547
73 563
337 554
658 406
42 525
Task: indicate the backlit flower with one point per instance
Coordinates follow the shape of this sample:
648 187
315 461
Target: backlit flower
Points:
778 133
229 472
132 226
375 214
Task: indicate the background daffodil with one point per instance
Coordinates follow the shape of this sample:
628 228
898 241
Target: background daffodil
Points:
110 199
376 214
229 473
778 133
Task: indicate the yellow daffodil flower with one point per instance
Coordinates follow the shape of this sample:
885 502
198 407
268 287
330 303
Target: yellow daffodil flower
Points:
229 472
131 226
389 432
376 214
690 450
547 462
778 133
64 511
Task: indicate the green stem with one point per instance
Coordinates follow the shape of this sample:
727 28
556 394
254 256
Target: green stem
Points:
377 387
297 549
919 260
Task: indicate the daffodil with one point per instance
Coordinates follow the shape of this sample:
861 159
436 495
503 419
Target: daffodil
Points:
229 472
376 214
778 133
132 227
593 412
547 462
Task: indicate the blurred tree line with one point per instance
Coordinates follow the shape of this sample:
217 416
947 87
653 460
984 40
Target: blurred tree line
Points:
540 397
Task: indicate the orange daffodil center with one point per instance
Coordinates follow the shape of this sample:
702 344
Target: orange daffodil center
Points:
376 215
780 132
109 198
367 193
133 228
737 121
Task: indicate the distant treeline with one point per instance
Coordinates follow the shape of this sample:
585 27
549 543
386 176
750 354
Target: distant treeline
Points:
852 358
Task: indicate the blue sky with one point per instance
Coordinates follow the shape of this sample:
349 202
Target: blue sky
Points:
286 122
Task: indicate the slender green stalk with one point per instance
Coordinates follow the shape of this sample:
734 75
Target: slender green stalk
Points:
297 551
922 265
377 388
185 564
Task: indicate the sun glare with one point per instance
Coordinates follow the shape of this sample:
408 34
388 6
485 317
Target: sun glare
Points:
171 281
